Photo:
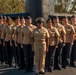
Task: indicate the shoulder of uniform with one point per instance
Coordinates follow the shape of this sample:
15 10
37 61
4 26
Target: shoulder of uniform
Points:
33 26
54 28
35 29
23 27
45 29
61 25
70 25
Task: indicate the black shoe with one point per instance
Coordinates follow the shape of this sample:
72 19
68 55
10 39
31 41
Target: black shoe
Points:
50 70
36 74
21 68
46 70
10 65
66 67
41 72
59 68
74 66
30 70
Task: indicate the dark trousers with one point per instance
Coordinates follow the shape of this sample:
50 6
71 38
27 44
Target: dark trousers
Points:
50 58
58 56
73 54
20 56
15 54
47 61
1 54
66 54
9 53
28 56
2 50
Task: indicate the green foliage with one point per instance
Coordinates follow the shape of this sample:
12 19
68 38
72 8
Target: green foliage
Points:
68 6
12 6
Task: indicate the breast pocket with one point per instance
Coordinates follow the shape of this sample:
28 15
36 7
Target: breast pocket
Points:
69 31
52 33
36 34
59 30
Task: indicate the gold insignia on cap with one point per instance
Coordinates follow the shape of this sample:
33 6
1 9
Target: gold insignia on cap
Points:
39 19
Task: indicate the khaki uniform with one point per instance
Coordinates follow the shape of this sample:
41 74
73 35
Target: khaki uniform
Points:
28 53
15 50
1 46
3 27
54 35
13 32
75 31
7 33
58 53
40 36
26 33
67 49
8 49
53 32
69 30
20 50
61 31
73 52
18 34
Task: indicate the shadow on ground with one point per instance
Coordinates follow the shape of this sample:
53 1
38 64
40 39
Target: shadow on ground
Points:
5 70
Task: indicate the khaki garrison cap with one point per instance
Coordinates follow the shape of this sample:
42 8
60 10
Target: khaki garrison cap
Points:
39 20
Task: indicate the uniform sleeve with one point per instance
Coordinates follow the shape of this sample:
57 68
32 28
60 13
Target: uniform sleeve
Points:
4 33
72 30
47 34
57 33
32 34
22 32
12 31
63 30
16 33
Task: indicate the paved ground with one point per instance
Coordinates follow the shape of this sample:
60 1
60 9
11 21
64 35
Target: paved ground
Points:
13 71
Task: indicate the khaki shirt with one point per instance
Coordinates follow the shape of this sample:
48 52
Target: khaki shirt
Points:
75 31
3 27
7 33
26 34
40 35
18 33
61 31
69 30
13 32
0 30
54 34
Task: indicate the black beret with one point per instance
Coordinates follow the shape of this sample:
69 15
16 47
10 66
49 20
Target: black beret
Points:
28 17
18 17
73 16
64 17
55 17
49 19
4 17
1 17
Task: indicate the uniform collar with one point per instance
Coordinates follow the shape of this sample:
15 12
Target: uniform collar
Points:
30 26
50 27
